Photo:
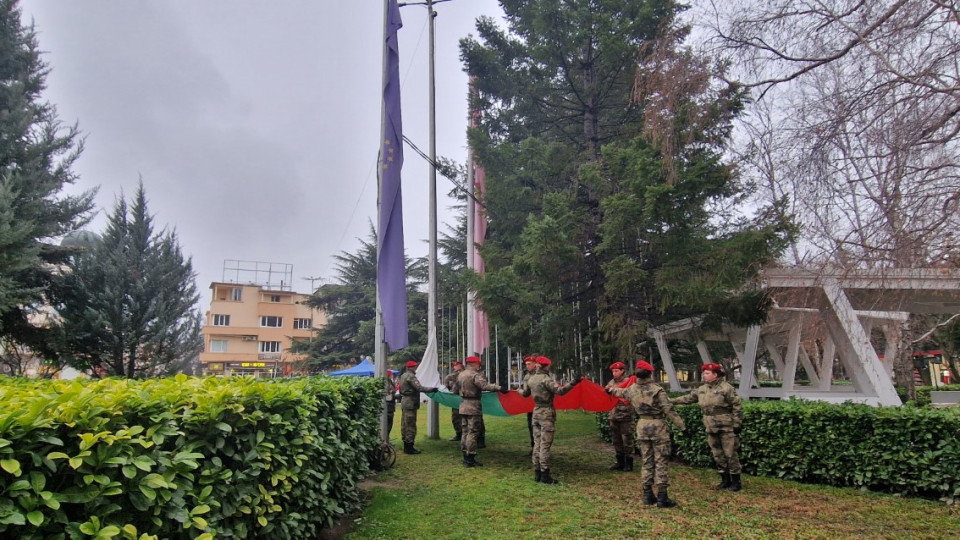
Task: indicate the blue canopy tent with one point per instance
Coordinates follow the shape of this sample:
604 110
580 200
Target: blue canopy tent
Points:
363 369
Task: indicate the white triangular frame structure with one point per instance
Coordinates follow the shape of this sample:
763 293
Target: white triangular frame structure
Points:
832 312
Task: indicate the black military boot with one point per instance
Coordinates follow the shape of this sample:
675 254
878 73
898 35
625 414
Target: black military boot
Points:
735 482
619 465
663 501
545 477
648 497
474 462
466 460
409 449
627 464
456 437
724 481
537 475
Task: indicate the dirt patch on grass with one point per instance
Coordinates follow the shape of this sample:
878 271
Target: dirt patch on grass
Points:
339 529
370 483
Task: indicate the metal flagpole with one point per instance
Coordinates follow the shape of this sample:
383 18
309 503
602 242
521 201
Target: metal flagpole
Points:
380 349
433 409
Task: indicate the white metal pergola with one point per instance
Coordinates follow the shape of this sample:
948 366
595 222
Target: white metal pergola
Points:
832 312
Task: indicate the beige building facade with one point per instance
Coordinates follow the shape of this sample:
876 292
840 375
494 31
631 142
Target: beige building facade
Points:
249 330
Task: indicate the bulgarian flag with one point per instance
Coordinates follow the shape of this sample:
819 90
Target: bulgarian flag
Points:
588 396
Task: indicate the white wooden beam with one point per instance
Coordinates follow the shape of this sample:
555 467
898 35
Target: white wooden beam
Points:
826 363
704 351
808 367
857 342
790 360
667 360
748 360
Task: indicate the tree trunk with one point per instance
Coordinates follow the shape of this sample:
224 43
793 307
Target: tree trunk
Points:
903 365
590 136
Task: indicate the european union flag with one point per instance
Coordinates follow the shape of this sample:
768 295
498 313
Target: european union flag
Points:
391 263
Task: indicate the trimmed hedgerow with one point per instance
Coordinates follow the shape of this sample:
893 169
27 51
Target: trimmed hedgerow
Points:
907 450
183 457
923 394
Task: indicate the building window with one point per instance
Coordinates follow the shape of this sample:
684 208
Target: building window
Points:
269 346
221 320
218 345
302 324
236 294
271 321
275 298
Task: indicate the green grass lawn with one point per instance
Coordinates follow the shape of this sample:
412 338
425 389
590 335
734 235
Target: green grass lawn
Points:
433 495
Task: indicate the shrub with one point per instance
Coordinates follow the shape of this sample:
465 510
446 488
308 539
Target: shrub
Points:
183 457
906 450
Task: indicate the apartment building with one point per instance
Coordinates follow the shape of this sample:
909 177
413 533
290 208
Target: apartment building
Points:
249 329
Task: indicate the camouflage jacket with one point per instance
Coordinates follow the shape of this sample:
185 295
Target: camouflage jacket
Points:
389 393
470 385
543 387
410 389
622 411
652 406
450 381
722 410
524 383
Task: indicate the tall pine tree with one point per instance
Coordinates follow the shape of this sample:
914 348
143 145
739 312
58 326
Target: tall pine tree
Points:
129 302
350 307
36 155
607 194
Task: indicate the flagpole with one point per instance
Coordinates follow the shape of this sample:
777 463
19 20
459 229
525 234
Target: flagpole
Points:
380 350
471 209
433 409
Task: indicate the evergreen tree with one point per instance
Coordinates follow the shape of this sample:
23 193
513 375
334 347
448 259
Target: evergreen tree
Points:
608 198
128 305
350 307
36 155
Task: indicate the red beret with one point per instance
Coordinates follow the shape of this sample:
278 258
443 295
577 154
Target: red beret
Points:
411 363
457 363
712 367
473 360
618 365
543 361
530 359
643 364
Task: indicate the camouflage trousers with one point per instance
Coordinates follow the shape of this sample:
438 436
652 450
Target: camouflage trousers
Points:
653 459
457 421
390 412
543 432
408 425
622 433
471 432
725 447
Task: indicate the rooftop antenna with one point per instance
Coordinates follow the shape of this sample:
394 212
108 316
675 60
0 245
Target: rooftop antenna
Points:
311 280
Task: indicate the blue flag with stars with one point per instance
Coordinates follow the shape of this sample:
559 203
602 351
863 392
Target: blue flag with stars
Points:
391 267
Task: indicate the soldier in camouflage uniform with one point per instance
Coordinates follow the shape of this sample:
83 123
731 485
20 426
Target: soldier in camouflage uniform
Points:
622 423
450 381
543 388
471 384
390 398
409 389
652 405
722 418
530 366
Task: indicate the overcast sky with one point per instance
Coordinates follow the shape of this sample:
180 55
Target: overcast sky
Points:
254 125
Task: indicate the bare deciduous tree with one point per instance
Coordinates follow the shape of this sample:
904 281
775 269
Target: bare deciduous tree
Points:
856 118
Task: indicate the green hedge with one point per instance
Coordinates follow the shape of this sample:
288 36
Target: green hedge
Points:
923 394
183 457
907 450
